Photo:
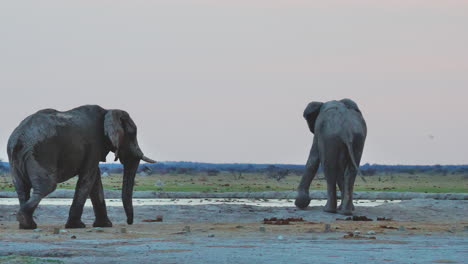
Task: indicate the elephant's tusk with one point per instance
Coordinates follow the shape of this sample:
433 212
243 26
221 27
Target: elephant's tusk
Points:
144 158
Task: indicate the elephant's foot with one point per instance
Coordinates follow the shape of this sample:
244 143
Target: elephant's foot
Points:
102 223
345 212
74 224
302 200
341 206
329 208
25 221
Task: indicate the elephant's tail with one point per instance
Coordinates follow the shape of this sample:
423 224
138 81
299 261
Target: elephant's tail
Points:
351 156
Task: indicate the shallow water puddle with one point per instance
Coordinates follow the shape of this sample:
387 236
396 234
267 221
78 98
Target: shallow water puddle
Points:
215 201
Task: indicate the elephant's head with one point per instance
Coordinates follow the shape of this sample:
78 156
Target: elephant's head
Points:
122 133
311 113
313 109
350 104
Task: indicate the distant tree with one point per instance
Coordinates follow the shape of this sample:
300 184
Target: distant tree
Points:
212 172
368 172
116 170
189 171
277 173
236 172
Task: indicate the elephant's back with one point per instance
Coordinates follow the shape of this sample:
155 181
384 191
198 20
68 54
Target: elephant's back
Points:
35 128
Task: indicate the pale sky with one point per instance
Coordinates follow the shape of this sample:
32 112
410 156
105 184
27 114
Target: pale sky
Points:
227 81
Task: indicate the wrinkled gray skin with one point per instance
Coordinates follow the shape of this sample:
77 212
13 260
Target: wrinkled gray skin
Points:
339 134
50 147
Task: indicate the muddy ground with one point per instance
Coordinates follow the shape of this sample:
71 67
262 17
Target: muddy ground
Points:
223 231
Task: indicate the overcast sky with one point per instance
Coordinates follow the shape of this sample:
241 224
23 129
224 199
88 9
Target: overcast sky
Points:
227 81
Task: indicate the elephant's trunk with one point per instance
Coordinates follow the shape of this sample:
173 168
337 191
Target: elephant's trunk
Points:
137 151
127 188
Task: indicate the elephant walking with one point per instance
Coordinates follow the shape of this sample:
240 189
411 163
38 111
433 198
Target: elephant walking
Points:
339 134
50 147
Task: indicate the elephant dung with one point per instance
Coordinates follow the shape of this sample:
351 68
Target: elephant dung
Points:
281 221
355 218
384 219
159 218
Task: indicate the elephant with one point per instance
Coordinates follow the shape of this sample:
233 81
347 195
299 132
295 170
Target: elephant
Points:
50 147
339 134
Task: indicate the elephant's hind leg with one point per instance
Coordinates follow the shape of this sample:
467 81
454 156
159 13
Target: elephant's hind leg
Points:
99 204
349 178
331 173
340 181
42 183
22 186
347 206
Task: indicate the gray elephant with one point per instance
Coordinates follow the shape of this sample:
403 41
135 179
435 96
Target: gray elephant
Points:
50 147
339 135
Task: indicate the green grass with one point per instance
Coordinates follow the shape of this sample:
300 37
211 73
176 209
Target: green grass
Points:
254 182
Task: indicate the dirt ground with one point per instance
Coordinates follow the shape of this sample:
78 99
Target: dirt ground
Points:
224 231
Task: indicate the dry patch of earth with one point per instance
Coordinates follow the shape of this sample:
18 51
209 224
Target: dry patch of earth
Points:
421 231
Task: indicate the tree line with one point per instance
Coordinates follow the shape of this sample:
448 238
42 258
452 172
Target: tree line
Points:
277 171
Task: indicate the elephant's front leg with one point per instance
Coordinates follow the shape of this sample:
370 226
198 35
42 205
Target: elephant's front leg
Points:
82 191
303 196
99 204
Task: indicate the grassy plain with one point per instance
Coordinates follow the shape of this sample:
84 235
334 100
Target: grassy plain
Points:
254 182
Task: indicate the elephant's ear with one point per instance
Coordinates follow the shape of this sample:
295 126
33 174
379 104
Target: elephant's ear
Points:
350 104
114 130
311 113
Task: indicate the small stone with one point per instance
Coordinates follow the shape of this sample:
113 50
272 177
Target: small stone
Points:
63 231
186 229
123 230
239 226
401 228
56 231
262 229
211 235
356 232
327 228
98 229
73 237
371 232
36 237
280 237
